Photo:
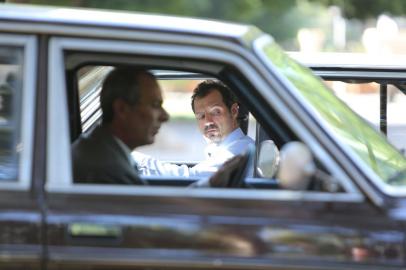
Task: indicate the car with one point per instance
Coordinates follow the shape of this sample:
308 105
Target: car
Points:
349 212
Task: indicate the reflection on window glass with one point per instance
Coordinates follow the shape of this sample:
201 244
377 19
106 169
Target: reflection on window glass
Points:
10 92
364 99
346 126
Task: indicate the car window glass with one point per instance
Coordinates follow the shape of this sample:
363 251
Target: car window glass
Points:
346 126
11 61
179 140
364 99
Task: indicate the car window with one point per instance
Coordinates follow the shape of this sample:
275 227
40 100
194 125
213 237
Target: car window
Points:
179 140
11 65
84 80
363 142
364 99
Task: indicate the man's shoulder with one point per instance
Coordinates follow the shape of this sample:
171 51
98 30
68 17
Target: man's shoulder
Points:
97 158
239 145
94 136
95 145
239 137
242 142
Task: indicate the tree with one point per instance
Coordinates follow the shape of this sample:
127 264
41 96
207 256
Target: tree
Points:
365 9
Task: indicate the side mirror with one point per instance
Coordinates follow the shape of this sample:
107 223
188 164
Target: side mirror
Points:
268 159
296 166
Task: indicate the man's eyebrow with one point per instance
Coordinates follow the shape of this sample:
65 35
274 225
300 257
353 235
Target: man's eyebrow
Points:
215 105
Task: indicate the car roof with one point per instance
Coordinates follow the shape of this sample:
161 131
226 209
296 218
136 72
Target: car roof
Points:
328 60
123 20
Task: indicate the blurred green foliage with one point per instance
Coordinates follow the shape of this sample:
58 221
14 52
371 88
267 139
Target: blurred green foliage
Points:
281 18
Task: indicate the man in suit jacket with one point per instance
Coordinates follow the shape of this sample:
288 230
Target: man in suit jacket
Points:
131 103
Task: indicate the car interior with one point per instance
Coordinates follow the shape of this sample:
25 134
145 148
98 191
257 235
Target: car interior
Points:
84 79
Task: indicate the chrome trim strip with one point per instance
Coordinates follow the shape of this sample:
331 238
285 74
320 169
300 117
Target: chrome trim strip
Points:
58 141
351 61
20 253
362 75
209 193
124 33
103 19
186 259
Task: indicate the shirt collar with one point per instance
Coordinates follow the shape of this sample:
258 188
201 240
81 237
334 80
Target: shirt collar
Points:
126 150
234 135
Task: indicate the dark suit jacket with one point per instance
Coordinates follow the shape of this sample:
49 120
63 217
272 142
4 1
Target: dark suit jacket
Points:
97 158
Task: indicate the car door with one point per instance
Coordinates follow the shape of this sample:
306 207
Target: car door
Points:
142 227
20 215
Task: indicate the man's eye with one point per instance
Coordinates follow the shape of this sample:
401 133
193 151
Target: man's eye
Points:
199 116
216 112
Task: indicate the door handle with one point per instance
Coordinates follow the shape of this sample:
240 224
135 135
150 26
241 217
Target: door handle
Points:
94 230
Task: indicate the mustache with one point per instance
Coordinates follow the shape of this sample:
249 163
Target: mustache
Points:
210 126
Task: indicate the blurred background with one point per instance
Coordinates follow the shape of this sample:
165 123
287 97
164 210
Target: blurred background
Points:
375 28
297 25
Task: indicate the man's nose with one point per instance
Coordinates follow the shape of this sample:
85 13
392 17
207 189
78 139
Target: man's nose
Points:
208 118
164 115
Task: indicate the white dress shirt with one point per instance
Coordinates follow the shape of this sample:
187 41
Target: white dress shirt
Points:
216 154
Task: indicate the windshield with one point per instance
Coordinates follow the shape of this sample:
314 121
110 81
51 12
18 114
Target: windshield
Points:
354 133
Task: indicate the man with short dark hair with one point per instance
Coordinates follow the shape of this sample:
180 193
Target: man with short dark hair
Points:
131 103
216 110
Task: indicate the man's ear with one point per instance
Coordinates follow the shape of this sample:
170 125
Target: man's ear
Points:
120 108
234 110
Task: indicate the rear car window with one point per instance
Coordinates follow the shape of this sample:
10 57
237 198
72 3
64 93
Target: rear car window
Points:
11 62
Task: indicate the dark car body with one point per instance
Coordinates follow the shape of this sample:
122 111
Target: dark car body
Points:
47 221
